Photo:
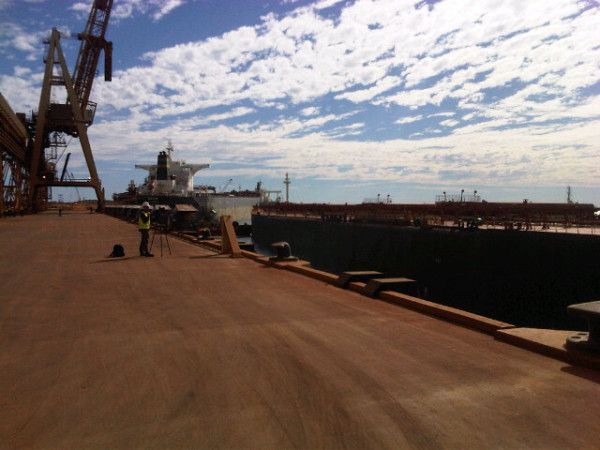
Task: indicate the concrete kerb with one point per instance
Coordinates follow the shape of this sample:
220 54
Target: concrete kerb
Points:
211 245
454 315
550 343
312 273
357 286
497 329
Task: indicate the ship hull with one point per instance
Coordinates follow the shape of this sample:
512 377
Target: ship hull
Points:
210 206
524 278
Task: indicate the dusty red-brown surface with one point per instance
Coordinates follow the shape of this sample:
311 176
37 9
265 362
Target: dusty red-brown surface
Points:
202 351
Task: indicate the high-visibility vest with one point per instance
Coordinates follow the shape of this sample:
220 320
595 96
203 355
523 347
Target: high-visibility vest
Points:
144 221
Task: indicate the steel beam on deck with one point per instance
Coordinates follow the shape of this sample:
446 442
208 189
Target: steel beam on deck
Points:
58 183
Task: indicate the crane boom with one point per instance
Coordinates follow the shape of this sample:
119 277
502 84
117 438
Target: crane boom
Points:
92 43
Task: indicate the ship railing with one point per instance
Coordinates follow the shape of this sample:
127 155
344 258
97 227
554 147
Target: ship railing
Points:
436 215
457 198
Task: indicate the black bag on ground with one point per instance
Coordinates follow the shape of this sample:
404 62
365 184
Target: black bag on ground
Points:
118 251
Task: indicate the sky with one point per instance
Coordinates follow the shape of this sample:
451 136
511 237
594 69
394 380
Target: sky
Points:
352 98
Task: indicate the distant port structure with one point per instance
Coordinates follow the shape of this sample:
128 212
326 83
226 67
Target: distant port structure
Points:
461 210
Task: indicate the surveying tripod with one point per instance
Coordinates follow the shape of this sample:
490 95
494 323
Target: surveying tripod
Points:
163 232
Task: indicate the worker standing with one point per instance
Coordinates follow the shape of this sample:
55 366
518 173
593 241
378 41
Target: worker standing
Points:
144 227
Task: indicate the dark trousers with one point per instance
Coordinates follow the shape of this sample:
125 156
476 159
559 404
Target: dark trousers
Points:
144 242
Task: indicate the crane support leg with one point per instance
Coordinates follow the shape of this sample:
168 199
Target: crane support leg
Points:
1 184
40 126
81 131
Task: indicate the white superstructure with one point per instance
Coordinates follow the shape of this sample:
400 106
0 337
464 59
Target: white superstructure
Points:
168 176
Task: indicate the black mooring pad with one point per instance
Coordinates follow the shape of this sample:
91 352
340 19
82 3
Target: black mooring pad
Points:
356 275
404 285
589 311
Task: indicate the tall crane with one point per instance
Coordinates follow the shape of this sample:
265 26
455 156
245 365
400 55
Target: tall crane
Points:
75 115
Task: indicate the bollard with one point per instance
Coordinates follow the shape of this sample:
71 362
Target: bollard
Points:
284 252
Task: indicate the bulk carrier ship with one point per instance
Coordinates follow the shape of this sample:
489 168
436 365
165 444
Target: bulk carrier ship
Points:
170 183
522 263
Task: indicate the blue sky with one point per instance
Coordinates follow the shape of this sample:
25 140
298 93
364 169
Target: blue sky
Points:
352 98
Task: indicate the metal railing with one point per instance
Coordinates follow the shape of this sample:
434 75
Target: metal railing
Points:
458 198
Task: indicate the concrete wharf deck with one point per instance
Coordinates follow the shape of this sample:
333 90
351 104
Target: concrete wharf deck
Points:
197 350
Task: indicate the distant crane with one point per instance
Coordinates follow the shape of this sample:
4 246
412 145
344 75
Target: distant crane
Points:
64 171
226 185
569 195
72 178
75 115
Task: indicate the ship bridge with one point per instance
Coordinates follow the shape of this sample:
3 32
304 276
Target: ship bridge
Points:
168 176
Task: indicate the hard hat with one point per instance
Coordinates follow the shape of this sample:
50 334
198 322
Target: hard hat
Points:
145 205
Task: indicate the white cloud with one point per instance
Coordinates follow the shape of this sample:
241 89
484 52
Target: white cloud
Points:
21 71
408 119
166 7
14 36
123 9
211 118
310 111
83 7
322 4
449 122
441 114
22 91
380 86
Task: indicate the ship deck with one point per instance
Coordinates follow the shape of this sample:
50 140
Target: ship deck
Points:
198 350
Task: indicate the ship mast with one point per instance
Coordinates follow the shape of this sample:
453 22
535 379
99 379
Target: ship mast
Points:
287 183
